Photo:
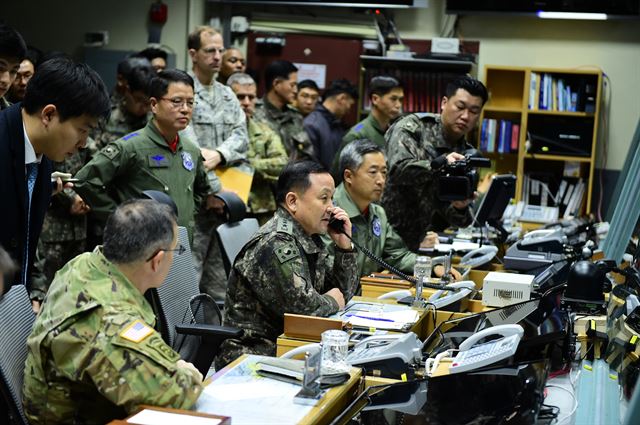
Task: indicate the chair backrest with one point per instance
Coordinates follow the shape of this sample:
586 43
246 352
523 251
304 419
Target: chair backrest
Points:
233 236
176 292
17 318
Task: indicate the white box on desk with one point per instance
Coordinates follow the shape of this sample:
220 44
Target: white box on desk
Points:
502 289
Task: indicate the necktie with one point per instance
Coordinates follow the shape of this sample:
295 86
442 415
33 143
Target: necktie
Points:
32 176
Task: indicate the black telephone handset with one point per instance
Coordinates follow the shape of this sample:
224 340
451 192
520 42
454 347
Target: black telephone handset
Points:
336 224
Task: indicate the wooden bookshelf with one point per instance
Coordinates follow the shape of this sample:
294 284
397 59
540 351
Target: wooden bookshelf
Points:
511 97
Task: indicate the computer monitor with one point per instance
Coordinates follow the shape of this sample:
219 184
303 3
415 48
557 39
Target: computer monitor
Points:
495 201
500 193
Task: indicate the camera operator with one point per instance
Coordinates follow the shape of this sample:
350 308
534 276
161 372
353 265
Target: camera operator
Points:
412 142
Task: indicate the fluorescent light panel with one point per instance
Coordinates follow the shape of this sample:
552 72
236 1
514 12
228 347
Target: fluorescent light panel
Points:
572 15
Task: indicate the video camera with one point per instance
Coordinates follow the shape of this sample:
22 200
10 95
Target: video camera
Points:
458 180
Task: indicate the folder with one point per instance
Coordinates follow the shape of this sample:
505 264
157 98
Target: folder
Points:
236 180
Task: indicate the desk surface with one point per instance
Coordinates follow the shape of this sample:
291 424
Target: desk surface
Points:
237 391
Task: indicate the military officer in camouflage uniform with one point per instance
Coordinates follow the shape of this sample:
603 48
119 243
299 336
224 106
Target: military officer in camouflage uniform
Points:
219 128
284 268
412 142
94 355
386 96
130 111
64 231
275 109
153 158
364 170
266 152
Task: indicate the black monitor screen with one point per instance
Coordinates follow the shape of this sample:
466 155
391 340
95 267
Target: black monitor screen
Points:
502 189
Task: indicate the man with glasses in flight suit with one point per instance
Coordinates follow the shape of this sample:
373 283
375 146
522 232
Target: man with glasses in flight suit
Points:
153 158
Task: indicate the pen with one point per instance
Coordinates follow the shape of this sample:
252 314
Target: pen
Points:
373 318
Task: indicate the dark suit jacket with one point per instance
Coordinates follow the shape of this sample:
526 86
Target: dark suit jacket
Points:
13 192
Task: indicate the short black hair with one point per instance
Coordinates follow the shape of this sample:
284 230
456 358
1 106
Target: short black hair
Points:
278 69
12 44
295 177
74 88
160 82
382 84
471 85
151 53
308 84
139 79
340 86
33 55
127 65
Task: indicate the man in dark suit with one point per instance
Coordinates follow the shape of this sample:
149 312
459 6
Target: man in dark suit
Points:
63 102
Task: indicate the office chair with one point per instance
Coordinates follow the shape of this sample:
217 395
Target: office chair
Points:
189 321
237 231
17 318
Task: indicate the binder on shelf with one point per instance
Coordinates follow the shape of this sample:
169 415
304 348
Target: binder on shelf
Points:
515 137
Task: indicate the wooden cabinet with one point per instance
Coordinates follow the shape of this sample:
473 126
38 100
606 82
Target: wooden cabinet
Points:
556 113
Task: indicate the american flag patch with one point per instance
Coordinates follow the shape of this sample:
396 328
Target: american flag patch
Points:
136 332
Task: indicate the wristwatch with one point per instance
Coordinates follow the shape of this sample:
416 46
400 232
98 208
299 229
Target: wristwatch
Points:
352 249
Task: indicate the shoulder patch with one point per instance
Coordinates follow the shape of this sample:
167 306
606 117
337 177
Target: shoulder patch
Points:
130 135
358 127
111 151
136 331
286 253
284 226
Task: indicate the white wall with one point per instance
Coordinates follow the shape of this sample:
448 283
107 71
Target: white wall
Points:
61 24
613 46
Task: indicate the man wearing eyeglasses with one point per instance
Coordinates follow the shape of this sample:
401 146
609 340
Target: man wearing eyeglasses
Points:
153 158
219 128
94 354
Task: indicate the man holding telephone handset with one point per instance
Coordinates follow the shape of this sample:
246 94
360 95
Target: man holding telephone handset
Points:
285 267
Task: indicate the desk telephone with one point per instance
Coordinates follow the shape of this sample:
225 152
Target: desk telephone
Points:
390 355
472 355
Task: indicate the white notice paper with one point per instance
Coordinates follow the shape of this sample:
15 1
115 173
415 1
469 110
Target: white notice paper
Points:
311 71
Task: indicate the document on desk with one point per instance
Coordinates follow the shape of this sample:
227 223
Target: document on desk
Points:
390 320
249 398
456 246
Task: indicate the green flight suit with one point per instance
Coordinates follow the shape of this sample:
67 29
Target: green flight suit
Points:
143 161
368 129
374 233
93 353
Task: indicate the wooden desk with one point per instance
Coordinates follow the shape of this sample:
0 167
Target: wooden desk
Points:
422 328
381 283
329 406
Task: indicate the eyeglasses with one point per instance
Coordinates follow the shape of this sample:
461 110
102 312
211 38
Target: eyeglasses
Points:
213 50
177 102
180 250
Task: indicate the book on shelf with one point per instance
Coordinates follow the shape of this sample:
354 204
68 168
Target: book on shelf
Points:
499 136
551 93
